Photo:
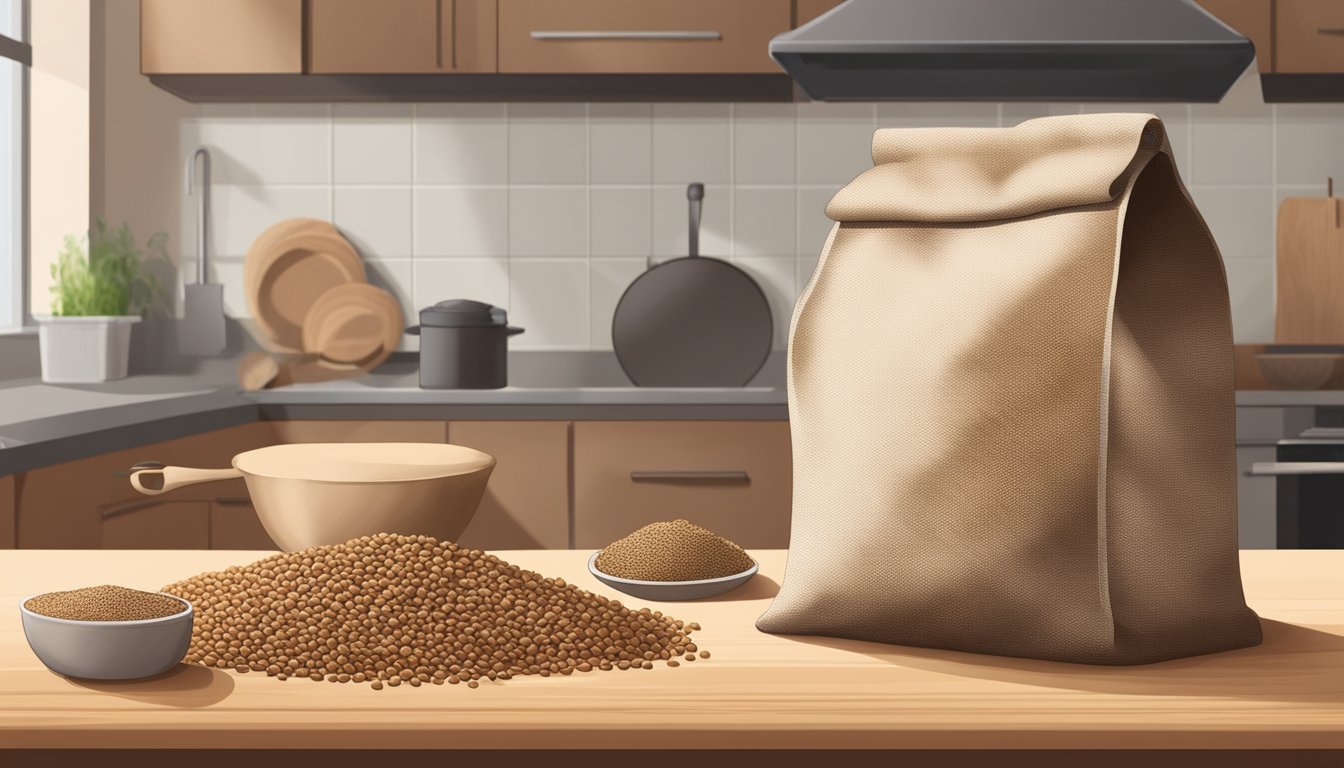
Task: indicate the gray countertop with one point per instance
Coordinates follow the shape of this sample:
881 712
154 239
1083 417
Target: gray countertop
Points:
42 424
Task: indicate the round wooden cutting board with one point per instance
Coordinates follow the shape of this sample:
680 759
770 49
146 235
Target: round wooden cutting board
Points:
288 268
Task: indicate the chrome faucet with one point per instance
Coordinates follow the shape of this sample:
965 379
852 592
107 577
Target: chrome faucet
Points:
202 204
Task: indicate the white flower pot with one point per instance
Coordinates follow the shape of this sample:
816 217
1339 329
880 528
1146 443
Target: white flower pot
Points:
84 350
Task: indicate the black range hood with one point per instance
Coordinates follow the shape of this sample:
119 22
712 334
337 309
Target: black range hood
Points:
1014 50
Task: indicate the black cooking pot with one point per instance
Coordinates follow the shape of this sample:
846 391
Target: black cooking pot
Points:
464 344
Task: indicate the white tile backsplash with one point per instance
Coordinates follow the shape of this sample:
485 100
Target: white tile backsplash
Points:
620 143
371 143
239 213
835 142
376 220
548 143
549 297
765 140
1241 218
764 222
480 279
548 222
1249 283
281 148
467 221
620 221
550 210
461 144
692 142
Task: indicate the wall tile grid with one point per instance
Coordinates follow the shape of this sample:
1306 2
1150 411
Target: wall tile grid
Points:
552 209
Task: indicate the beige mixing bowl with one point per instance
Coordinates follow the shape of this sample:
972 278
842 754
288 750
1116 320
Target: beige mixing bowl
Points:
311 494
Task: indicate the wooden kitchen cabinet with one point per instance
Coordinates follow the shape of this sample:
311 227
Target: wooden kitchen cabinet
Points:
807 10
155 523
89 503
214 37
400 36
1253 19
734 478
1309 36
354 431
234 525
7 522
526 504
640 36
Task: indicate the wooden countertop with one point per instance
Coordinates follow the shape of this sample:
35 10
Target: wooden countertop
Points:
757 690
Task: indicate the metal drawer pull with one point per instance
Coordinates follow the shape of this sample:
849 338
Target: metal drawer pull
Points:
666 475
650 34
1330 30
1268 468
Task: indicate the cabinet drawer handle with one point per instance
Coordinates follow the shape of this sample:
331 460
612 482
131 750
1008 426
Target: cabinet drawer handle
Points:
648 34
685 475
1336 31
1271 468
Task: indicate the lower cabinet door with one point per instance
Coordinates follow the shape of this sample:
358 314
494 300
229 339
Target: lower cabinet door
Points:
526 504
156 524
734 478
234 525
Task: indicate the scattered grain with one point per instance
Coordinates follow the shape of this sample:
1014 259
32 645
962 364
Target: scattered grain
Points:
389 609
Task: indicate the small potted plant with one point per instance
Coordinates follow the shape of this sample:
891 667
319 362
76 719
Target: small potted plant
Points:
100 289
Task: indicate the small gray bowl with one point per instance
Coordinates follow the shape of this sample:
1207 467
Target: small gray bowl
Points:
109 650
672 590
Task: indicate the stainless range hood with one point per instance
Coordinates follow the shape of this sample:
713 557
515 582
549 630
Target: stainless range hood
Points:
1014 50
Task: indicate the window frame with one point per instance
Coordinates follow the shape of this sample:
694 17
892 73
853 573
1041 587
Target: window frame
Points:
15 266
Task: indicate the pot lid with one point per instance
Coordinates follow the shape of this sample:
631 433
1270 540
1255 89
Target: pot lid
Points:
463 313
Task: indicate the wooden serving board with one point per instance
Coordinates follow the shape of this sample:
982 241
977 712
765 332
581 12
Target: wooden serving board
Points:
1309 306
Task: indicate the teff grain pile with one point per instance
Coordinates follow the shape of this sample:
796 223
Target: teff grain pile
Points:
391 609
676 551
105 603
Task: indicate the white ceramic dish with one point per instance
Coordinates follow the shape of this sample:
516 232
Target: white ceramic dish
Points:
672 590
109 650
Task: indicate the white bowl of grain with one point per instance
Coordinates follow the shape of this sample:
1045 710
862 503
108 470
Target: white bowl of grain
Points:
112 633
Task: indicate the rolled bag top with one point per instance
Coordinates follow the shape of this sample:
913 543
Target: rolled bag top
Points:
949 175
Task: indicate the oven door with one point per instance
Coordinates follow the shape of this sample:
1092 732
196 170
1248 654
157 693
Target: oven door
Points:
1310 493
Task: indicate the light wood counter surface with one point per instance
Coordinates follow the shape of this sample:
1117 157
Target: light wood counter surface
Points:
757 690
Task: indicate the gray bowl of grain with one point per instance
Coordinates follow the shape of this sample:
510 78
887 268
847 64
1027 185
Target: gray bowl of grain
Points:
672 590
109 650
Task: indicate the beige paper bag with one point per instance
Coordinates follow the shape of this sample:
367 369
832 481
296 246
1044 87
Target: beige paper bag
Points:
1011 401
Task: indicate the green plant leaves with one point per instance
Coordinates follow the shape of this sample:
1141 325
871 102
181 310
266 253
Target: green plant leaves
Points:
106 274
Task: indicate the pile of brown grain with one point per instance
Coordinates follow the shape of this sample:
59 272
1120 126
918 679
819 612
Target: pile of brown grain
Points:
675 551
391 609
105 603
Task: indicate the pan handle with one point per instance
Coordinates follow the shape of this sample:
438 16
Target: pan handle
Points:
695 193
175 477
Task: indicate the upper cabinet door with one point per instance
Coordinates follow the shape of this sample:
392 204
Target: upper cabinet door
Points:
640 36
212 37
400 36
1309 36
357 36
